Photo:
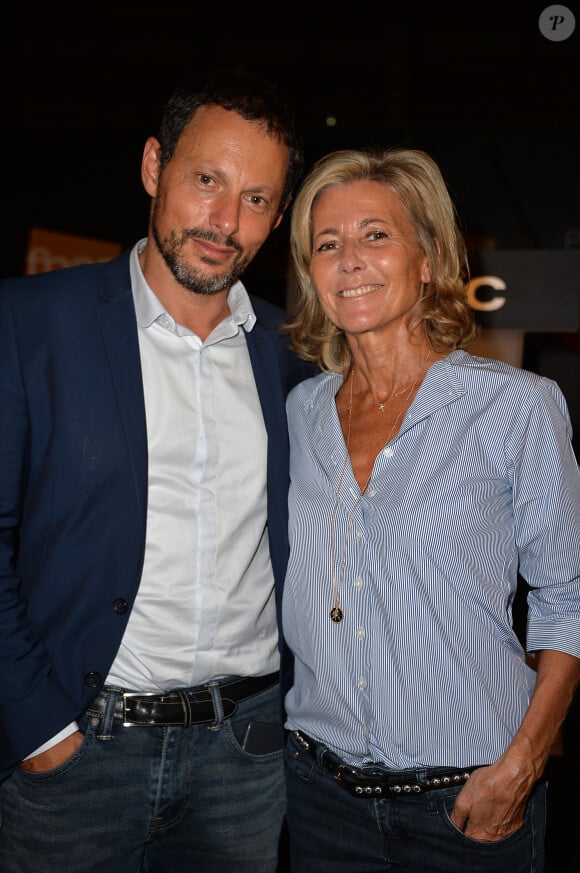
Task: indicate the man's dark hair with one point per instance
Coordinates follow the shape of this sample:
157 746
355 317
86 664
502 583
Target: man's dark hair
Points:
251 97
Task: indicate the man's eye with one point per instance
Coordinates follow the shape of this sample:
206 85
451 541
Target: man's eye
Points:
205 179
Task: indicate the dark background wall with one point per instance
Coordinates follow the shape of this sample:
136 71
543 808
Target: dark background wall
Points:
479 86
476 84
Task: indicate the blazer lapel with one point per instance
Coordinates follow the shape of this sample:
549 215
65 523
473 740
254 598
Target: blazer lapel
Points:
268 383
116 314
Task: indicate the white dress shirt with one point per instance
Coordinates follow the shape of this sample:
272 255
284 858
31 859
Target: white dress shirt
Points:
205 606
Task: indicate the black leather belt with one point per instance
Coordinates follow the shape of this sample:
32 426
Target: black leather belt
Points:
182 706
380 782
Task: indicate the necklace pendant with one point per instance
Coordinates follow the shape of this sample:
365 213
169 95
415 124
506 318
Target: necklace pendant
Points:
336 614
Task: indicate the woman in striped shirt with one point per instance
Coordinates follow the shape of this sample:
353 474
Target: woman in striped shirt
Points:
424 482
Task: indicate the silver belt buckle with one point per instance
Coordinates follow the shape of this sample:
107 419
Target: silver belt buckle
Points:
127 694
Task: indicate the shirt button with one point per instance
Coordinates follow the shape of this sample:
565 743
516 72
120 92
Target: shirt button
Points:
371 492
359 534
358 582
361 633
362 682
388 452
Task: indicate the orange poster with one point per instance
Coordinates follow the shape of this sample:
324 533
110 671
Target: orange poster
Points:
50 250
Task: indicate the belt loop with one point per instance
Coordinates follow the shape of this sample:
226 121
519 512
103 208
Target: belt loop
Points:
216 698
105 731
184 699
322 755
421 776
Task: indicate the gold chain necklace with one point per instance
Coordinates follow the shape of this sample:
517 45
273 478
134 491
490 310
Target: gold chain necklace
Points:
381 406
336 613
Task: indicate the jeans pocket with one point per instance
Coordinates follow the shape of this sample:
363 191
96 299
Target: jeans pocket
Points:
55 772
446 804
255 731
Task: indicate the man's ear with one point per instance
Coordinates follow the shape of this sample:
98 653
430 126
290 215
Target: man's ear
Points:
150 166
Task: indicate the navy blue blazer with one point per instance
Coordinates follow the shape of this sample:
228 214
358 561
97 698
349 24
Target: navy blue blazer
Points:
73 485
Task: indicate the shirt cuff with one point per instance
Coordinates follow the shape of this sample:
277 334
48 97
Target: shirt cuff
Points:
61 735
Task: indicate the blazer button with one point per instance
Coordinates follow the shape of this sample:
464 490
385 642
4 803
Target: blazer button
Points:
93 679
120 606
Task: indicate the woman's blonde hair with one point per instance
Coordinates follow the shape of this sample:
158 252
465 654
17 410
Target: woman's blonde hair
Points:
442 312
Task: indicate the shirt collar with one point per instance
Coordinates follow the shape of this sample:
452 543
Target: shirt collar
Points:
149 308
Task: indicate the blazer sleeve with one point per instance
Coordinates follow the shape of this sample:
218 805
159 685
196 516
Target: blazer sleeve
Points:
27 687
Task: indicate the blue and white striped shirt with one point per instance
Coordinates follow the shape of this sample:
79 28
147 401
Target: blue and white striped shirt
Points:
480 483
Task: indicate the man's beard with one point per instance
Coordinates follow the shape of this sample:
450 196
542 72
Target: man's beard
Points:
190 277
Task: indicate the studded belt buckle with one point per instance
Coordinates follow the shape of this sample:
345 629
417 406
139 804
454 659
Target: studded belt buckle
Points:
358 784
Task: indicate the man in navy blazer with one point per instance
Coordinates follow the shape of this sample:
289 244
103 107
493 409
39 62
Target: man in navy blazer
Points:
143 520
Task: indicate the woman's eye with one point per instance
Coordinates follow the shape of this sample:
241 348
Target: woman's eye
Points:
326 246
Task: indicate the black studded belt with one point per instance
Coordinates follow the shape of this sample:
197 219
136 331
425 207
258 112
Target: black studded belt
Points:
372 782
181 707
